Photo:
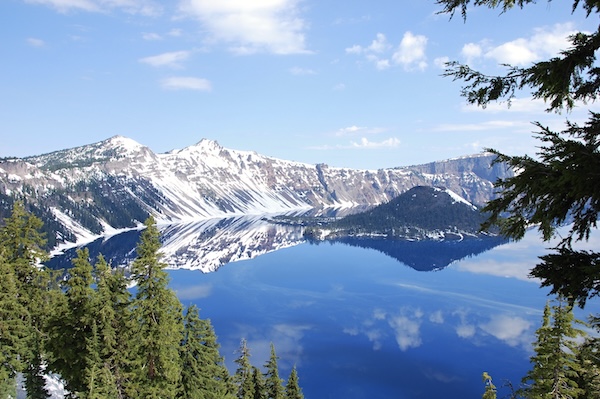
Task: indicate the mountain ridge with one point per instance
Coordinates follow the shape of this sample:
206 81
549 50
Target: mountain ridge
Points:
116 183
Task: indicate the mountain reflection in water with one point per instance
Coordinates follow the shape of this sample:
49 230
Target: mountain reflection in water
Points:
207 245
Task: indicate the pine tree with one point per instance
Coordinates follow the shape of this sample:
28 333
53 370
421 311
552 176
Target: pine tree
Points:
588 358
157 312
555 368
35 382
204 375
114 325
71 329
292 387
243 374
13 329
100 381
490 388
273 384
22 242
258 382
560 185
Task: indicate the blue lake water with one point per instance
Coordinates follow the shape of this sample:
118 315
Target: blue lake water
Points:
357 323
366 320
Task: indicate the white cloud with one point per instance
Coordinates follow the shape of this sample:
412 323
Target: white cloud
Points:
194 292
251 26
144 7
32 41
302 71
339 87
357 130
411 52
440 62
437 317
379 314
525 104
407 331
379 45
511 330
465 330
517 52
471 51
356 49
485 126
545 42
365 143
186 83
374 52
172 59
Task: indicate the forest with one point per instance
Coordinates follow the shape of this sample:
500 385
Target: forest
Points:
108 340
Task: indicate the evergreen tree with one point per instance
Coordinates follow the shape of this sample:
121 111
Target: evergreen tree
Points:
22 242
562 184
13 329
204 375
114 326
35 382
71 329
588 358
243 374
157 312
292 387
258 382
490 388
101 383
555 368
273 384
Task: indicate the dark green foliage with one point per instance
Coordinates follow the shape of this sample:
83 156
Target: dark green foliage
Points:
101 342
114 327
157 313
555 368
588 358
560 187
22 241
563 185
35 383
420 207
243 374
411 214
292 387
561 81
21 246
258 381
14 322
204 375
71 326
273 384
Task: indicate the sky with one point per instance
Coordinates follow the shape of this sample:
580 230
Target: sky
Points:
353 84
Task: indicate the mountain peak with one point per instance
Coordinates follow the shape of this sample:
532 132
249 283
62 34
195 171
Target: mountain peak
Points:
208 145
122 143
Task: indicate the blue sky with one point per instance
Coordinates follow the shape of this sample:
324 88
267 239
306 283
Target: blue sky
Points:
352 84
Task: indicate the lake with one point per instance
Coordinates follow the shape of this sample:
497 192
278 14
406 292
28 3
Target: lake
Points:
358 319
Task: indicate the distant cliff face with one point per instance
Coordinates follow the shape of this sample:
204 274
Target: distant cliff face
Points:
116 183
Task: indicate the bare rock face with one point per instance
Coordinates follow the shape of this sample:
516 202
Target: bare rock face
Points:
116 183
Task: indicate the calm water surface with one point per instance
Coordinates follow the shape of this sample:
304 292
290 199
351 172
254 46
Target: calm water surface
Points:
359 324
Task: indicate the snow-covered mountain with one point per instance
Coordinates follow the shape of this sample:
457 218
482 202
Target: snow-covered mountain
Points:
204 245
114 184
